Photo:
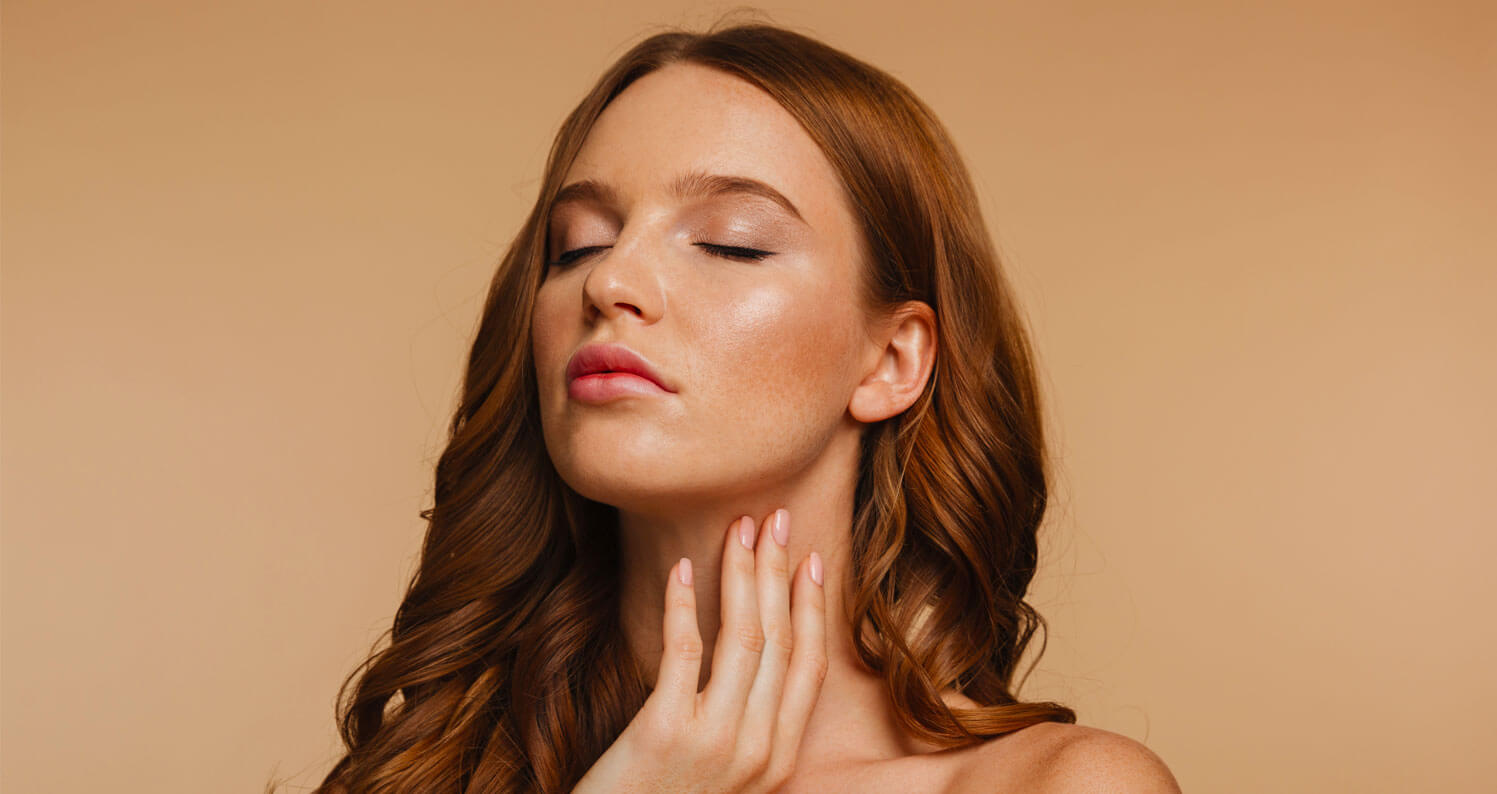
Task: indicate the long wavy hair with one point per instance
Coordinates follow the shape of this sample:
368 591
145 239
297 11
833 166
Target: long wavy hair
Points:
507 668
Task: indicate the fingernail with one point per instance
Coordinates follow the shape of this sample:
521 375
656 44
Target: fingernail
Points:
683 572
781 528
746 532
816 572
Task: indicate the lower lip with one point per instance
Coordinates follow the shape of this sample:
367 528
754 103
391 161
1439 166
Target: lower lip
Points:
607 386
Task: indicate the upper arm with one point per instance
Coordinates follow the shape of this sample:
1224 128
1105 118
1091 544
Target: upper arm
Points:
1095 761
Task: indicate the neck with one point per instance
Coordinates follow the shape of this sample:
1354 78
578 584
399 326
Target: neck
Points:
853 719
819 499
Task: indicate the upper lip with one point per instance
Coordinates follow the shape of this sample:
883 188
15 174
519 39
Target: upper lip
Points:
593 358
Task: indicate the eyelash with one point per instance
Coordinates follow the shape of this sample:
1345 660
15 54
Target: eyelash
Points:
736 252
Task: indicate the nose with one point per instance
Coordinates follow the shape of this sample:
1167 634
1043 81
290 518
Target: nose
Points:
623 280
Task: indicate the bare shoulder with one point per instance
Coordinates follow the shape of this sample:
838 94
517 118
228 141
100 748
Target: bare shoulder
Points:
1059 758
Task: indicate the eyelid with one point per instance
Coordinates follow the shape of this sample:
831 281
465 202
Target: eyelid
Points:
736 251
740 252
561 259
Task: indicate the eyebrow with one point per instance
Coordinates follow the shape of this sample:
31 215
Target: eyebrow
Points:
692 184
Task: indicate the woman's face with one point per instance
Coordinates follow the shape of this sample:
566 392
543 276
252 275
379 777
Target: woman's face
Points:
759 357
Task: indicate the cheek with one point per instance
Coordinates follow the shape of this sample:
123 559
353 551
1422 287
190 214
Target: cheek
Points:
776 355
551 341
545 332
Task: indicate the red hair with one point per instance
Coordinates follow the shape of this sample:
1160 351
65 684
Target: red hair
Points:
507 668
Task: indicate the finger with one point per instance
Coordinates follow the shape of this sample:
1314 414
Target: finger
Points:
773 579
681 660
808 662
740 639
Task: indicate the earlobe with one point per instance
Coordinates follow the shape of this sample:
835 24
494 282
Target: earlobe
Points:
905 355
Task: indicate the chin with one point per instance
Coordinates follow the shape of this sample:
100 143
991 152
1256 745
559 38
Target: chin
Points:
607 471
652 484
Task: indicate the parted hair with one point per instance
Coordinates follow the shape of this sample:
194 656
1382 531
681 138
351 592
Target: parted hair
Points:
507 669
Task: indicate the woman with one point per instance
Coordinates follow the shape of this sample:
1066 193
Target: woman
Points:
743 490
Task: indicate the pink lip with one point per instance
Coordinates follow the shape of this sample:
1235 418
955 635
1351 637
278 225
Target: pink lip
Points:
599 372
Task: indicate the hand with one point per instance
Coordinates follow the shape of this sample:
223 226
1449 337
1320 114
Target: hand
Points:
741 733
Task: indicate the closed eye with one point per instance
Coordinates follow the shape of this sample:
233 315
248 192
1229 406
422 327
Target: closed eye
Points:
735 252
725 251
575 254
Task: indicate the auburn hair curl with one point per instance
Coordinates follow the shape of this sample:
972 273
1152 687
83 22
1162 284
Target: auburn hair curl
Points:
507 668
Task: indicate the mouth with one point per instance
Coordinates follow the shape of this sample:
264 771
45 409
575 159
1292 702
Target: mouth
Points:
601 387
614 366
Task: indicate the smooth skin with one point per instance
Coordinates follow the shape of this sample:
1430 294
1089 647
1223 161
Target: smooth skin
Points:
774 372
742 733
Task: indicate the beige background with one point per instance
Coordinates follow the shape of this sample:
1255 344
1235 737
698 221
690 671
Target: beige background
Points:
244 246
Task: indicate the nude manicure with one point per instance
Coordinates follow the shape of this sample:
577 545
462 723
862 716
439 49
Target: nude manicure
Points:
781 528
746 532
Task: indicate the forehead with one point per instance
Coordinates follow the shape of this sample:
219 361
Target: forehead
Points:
687 118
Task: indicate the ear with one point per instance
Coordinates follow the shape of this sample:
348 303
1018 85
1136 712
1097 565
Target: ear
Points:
901 354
